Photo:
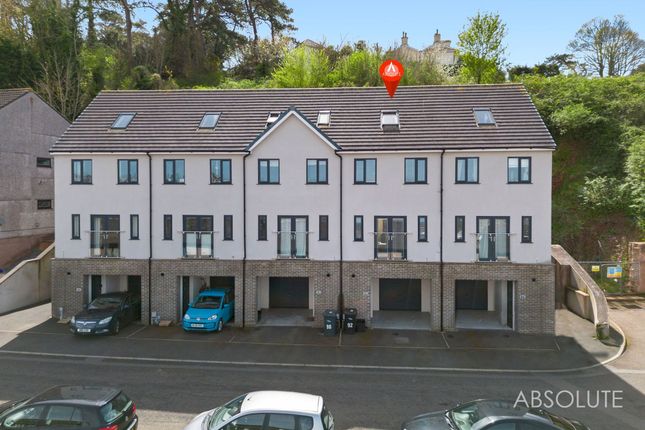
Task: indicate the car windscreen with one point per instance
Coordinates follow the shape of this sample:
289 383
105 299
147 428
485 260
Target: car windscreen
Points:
226 412
207 302
115 408
106 302
465 416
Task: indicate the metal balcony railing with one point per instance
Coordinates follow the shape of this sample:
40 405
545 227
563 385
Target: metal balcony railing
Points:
493 246
293 244
105 243
390 245
197 244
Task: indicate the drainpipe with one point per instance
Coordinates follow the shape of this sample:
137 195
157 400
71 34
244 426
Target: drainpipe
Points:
244 238
441 240
341 298
149 238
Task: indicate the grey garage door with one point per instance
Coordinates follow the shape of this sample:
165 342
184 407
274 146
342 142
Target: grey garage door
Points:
399 294
471 294
289 292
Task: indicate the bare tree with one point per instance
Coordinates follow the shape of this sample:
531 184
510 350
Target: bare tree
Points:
608 48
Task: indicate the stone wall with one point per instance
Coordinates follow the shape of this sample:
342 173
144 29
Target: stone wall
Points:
637 266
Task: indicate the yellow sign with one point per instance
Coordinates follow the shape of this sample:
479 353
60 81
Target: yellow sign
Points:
595 268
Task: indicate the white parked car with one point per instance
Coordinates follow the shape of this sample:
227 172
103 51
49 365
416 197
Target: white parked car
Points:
267 410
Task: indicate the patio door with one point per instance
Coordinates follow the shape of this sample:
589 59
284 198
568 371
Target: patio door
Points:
493 242
292 236
390 238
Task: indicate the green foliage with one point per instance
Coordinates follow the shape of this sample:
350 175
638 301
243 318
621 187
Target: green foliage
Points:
19 66
303 67
358 69
482 50
574 119
602 194
635 178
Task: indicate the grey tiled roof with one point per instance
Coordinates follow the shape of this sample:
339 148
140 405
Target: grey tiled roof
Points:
432 117
10 94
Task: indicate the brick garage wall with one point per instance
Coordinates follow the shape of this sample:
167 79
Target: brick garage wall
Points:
166 287
534 292
358 274
69 292
326 288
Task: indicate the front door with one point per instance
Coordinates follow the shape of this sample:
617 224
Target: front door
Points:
134 288
390 238
185 295
95 287
292 236
493 242
509 304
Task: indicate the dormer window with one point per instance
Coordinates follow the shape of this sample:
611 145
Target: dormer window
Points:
209 120
122 121
273 117
324 118
484 117
390 120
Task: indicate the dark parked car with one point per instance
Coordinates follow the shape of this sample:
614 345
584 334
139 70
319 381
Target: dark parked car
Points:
492 415
108 313
78 407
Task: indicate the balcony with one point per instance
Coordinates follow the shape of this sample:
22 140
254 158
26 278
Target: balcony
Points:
390 245
493 246
197 244
105 243
293 244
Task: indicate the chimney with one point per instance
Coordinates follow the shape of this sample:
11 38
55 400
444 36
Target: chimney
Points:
404 39
437 37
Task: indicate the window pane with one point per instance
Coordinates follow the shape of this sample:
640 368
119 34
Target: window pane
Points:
262 227
134 226
180 171
421 170
525 169
423 229
274 171
358 228
461 170
472 169
311 170
123 171
87 171
216 171
459 228
409 170
370 171
513 174
167 227
226 171
247 422
322 171
484 116
209 120
359 171
323 228
76 171
134 171
169 168
76 226
281 422
228 227
263 171
526 229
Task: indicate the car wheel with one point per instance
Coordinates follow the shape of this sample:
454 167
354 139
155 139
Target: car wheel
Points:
117 327
220 325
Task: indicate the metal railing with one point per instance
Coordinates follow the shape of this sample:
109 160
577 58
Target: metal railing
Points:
105 243
293 244
492 246
390 245
197 244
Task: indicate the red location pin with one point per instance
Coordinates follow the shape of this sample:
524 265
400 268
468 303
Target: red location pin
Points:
391 72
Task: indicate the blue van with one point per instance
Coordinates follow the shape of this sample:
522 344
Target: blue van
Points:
210 310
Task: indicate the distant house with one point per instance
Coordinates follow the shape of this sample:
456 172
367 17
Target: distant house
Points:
28 127
440 51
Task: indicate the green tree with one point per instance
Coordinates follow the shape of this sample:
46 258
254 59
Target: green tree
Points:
358 69
303 67
481 49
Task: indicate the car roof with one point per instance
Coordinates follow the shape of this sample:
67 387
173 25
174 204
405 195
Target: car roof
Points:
84 395
282 401
214 292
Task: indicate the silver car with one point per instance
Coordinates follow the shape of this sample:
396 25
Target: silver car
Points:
267 410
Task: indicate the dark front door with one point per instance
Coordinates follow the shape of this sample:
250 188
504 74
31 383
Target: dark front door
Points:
185 294
472 295
509 304
289 293
134 288
96 286
400 294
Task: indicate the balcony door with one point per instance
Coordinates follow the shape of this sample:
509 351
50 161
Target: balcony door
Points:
390 238
292 236
198 236
493 238
105 236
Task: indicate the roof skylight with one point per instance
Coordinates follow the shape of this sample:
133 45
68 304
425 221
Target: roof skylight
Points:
209 120
324 118
390 120
123 120
484 117
273 117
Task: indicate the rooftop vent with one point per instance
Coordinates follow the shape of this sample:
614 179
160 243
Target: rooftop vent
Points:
324 118
209 120
390 120
273 117
484 117
123 120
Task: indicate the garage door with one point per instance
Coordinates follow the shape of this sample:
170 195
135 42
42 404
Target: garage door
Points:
289 293
400 294
471 294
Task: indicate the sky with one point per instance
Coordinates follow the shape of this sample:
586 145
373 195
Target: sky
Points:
536 29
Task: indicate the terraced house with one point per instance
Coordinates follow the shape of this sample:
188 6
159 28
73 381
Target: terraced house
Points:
428 210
